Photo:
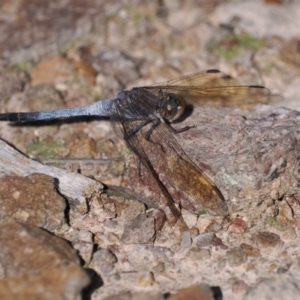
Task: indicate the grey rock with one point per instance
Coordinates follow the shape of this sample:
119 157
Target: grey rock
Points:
236 257
103 261
140 231
203 240
278 288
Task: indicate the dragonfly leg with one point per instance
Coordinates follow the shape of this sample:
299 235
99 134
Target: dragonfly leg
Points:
148 134
134 130
181 129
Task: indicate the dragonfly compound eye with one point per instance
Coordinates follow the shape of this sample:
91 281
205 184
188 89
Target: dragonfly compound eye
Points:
173 108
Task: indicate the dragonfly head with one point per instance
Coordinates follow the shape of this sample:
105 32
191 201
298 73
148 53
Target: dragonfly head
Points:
173 107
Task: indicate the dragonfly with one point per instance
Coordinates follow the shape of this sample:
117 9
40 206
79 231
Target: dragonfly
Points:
144 116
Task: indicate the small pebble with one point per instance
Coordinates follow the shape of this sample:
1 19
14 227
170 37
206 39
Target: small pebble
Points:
140 231
194 292
285 216
266 239
159 268
145 279
218 244
239 287
85 249
250 250
185 242
236 257
199 254
289 234
103 261
214 227
237 226
203 240
112 238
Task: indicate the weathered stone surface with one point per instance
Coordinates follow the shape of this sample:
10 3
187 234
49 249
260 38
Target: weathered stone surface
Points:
33 200
280 287
37 264
65 74
195 292
11 82
74 186
22 244
51 98
56 283
53 70
263 26
135 296
117 67
28 38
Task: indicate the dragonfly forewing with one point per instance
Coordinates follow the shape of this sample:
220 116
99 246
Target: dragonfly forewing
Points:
184 181
212 88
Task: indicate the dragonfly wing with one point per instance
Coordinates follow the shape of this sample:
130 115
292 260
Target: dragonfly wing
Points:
214 88
183 174
207 78
136 141
219 95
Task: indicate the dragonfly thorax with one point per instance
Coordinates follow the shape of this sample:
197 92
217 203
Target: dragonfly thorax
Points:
172 107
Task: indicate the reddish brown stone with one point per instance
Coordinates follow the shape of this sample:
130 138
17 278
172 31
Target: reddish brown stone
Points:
250 250
237 226
32 199
266 239
195 292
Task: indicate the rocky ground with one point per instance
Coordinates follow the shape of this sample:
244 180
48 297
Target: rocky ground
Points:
62 237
